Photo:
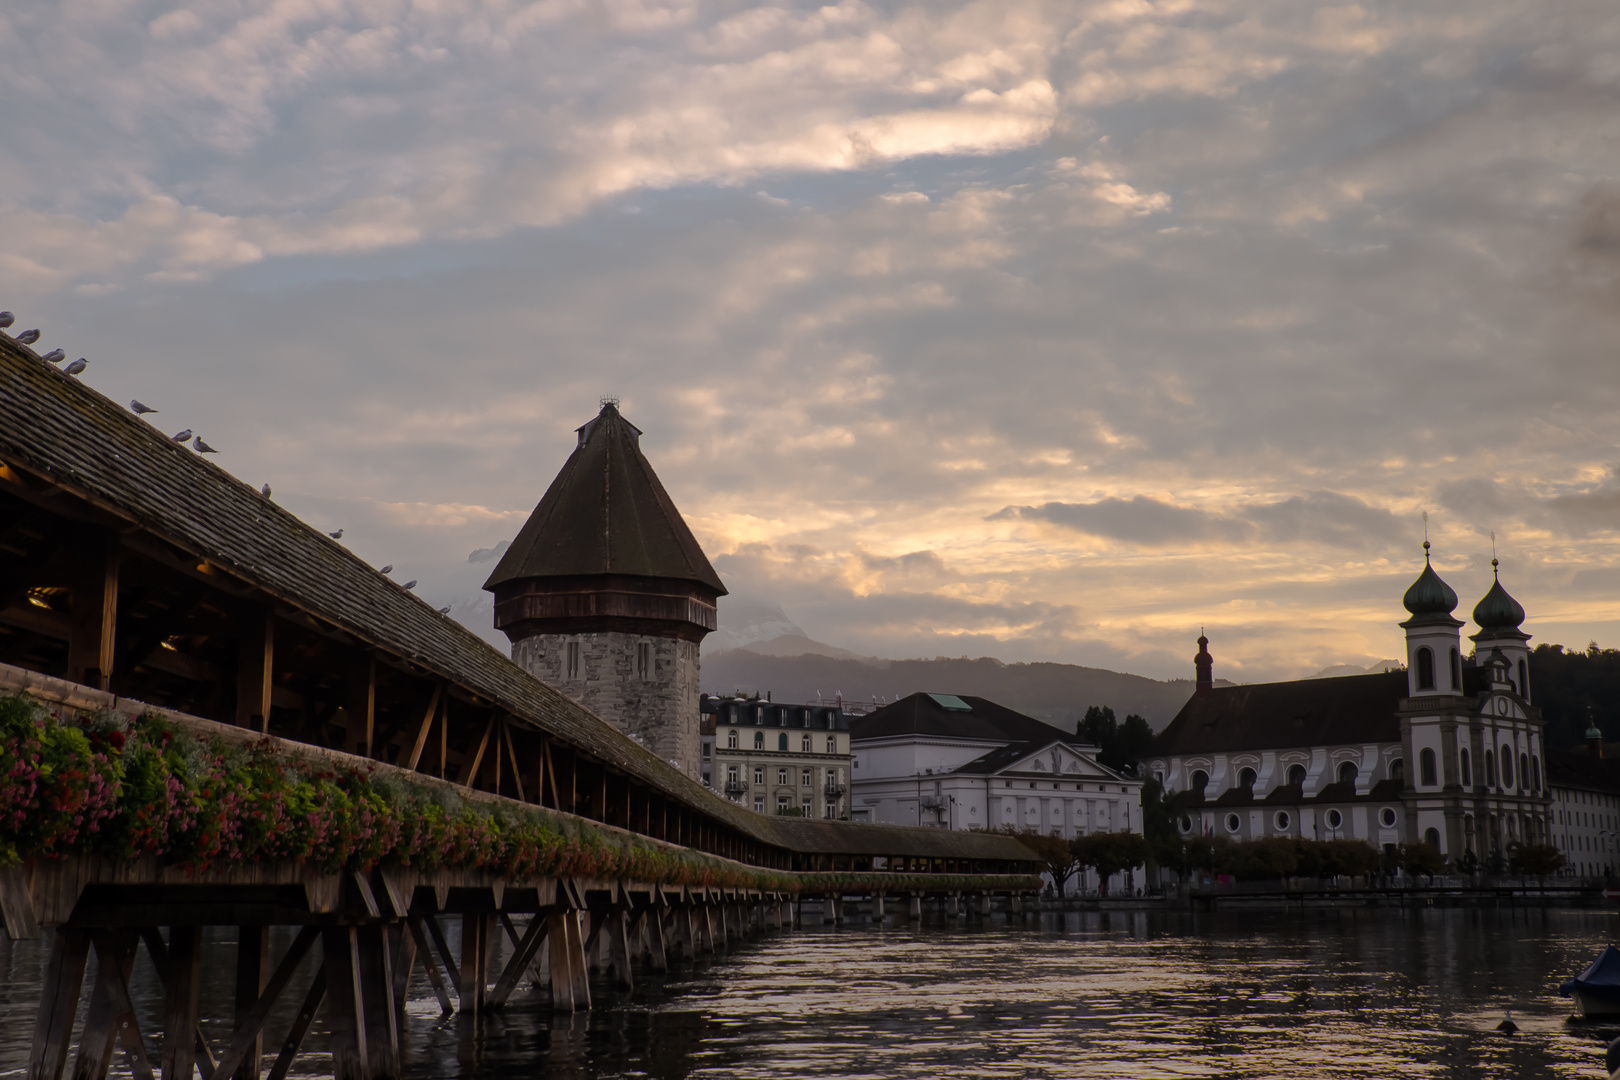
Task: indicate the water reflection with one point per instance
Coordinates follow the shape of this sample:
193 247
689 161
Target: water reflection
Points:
1330 994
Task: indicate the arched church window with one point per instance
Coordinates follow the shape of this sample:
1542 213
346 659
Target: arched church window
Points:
1467 770
1246 777
1535 773
1432 838
1524 681
759 740
1507 766
1296 775
1425 669
1490 769
1348 773
1456 671
1426 769
1524 769
1199 780
1397 770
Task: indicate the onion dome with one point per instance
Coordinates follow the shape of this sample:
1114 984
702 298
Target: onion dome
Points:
1594 732
1498 610
1428 594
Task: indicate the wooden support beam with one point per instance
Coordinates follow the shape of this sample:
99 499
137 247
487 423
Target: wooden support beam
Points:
346 1009
537 968
437 933
248 1039
379 1015
422 730
252 952
295 1037
429 963
511 755
253 668
522 958
180 1003
474 960
550 772
360 709
95 611
471 779
111 1017
618 949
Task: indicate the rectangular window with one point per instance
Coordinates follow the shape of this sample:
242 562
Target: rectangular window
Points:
805 808
731 773
571 669
781 802
705 750
759 804
832 744
804 778
781 777
759 775
804 744
644 660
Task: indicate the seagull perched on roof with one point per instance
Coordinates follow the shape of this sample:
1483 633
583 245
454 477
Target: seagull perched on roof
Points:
337 535
28 337
389 569
265 491
180 436
6 319
139 408
409 585
77 366
55 356
202 447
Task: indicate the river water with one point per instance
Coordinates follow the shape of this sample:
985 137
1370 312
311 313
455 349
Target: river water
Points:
1362 993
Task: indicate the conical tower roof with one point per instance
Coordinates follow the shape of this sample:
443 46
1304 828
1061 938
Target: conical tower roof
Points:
606 514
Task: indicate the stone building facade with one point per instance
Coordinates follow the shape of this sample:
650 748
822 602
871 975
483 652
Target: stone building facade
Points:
775 757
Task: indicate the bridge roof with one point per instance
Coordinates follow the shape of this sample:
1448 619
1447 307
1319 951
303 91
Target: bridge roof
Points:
59 429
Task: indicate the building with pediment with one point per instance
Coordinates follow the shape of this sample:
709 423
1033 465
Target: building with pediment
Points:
1447 752
950 762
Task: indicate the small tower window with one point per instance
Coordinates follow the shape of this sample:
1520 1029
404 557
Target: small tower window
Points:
804 744
1535 773
1456 671
731 740
1524 681
1426 769
1467 768
1425 669
1490 769
1348 772
759 740
571 663
1296 775
1246 777
644 664
1397 771
781 742
1524 768
1507 766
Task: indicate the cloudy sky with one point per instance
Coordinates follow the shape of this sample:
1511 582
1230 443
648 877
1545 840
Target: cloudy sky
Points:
1034 330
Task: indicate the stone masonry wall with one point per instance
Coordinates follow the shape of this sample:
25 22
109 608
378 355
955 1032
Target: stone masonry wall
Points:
659 711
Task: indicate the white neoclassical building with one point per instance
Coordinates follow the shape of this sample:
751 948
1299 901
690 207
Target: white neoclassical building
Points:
953 762
1448 752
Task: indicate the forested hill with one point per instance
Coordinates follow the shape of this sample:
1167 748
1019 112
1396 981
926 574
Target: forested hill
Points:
1056 693
1566 685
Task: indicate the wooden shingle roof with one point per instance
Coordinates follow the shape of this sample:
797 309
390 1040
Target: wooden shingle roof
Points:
606 513
55 426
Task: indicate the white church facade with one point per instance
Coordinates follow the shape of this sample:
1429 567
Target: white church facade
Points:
1448 752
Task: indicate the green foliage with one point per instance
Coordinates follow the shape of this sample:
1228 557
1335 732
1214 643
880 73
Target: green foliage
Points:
1057 854
1120 746
1575 689
790 811
1536 860
1109 853
1424 859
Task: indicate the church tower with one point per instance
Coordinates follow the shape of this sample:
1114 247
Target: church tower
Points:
1433 664
1498 616
606 595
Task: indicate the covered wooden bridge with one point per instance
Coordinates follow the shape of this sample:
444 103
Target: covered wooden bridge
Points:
141 584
